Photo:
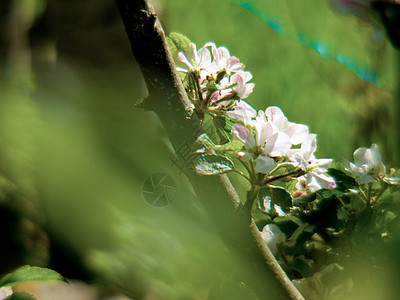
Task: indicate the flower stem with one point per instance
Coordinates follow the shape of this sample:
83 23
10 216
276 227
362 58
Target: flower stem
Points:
241 174
297 172
369 194
384 186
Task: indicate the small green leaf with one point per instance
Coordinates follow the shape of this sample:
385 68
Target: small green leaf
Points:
205 141
304 199
213 165
344 181
181 42
295 244
171 45
288 224
20 296
233 146
302 265
278 196
224 124
29 273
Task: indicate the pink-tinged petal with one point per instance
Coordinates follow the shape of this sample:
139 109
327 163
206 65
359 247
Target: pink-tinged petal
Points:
223 56
278 144
248 90
233 64
242 134
246 75
297 132
264 164
237 78
240 87
242 112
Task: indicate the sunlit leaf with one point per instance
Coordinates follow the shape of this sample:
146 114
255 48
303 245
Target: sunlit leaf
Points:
213 165
178 42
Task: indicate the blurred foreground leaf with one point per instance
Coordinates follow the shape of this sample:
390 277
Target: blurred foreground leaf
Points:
29 273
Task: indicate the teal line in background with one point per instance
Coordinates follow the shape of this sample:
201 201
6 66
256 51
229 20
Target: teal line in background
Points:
322 49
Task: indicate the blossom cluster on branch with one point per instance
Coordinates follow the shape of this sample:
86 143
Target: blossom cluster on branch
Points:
301 205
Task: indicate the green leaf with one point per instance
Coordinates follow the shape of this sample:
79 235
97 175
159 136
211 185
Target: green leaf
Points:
29 273
20 296
261 219
233 146
305 199
344 181
179 42
295 244
224 125
302 265
288 224
171 45
205 141
278 196
213 165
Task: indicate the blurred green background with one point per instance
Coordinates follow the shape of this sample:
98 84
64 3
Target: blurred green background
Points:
74 151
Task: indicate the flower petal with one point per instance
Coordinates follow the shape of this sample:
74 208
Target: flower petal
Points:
297 132
264 164
278 144
242 134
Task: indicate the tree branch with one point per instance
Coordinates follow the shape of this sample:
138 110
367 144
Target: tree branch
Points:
169 101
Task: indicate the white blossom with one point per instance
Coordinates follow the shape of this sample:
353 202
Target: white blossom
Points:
272 235
262 143
223 61
315 177
197 60
242 112
296 132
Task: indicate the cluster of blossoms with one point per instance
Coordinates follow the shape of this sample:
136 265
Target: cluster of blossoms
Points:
270 138
268 145
216 81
